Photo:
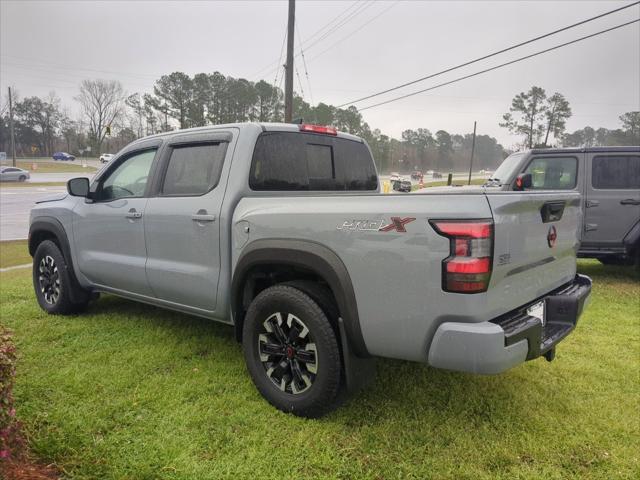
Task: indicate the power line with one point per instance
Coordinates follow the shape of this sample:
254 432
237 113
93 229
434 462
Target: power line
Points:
275 80
40 63
304 63
357 30
361 8
489 55
299 82
349 17
501 65
268 67
326 25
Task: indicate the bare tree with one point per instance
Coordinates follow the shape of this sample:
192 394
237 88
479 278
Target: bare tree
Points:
102 104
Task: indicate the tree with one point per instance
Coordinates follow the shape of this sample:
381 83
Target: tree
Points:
530 109
173 95
631 124
136 103
557 112
102 104
444 144
44 116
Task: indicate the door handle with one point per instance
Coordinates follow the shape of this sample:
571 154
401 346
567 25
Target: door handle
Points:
133 214
629 201
591 203
203 216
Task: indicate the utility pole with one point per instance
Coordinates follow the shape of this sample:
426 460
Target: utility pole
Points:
288 79
473 148
13 137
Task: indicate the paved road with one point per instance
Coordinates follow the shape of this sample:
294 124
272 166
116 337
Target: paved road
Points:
15 204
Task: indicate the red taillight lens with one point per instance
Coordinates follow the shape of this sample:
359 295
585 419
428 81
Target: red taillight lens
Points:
467 269
305 127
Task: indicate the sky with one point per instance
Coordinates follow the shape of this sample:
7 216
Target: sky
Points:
54 45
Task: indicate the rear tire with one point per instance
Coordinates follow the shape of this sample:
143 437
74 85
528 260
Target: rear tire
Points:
53 284
292 352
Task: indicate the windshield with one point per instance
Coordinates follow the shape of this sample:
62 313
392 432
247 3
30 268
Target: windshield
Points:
506 169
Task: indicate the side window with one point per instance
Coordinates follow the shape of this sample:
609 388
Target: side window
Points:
128 179
616 172
286 161
553 173
194 169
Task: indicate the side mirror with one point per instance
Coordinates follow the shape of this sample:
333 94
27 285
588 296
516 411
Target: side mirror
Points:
78 187
523 181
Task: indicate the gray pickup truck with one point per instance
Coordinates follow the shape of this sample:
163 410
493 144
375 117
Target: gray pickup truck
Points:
281 231
608 179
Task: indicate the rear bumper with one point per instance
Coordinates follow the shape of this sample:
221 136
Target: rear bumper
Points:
497 345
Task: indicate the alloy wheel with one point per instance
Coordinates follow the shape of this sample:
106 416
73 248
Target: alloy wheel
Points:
288 353
49 279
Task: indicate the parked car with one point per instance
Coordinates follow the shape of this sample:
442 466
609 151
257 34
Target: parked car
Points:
106 157
63 156
394 176
608 179
401 185
13 174
417 175
436 175
314 268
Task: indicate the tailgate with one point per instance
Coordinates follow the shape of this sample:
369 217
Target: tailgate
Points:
535 244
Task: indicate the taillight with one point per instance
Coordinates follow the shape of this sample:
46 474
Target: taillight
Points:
467 269
306 127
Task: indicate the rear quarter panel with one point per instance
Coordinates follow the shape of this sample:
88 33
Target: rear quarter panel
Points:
396 276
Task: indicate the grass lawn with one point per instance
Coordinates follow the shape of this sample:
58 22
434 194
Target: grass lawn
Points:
55 167
443 183
28 184
14 252
131 391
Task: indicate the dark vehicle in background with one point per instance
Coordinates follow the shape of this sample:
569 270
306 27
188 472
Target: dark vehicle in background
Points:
417 175
437 175
401 186
609 180
13 174
63 156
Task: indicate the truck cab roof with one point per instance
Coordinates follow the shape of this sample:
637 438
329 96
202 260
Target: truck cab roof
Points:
264 126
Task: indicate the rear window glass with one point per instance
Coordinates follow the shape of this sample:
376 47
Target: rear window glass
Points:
311 162
616 172
194 169
553 173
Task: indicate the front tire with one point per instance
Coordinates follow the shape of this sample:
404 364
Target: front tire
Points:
292 352
52 282
22 178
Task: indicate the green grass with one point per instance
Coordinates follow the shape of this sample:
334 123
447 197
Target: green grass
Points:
54 167
130 391
443 183
28 184
14 252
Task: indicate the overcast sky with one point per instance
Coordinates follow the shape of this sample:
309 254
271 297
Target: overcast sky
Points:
53 45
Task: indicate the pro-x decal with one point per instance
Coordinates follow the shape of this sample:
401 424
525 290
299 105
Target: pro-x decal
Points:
397 224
